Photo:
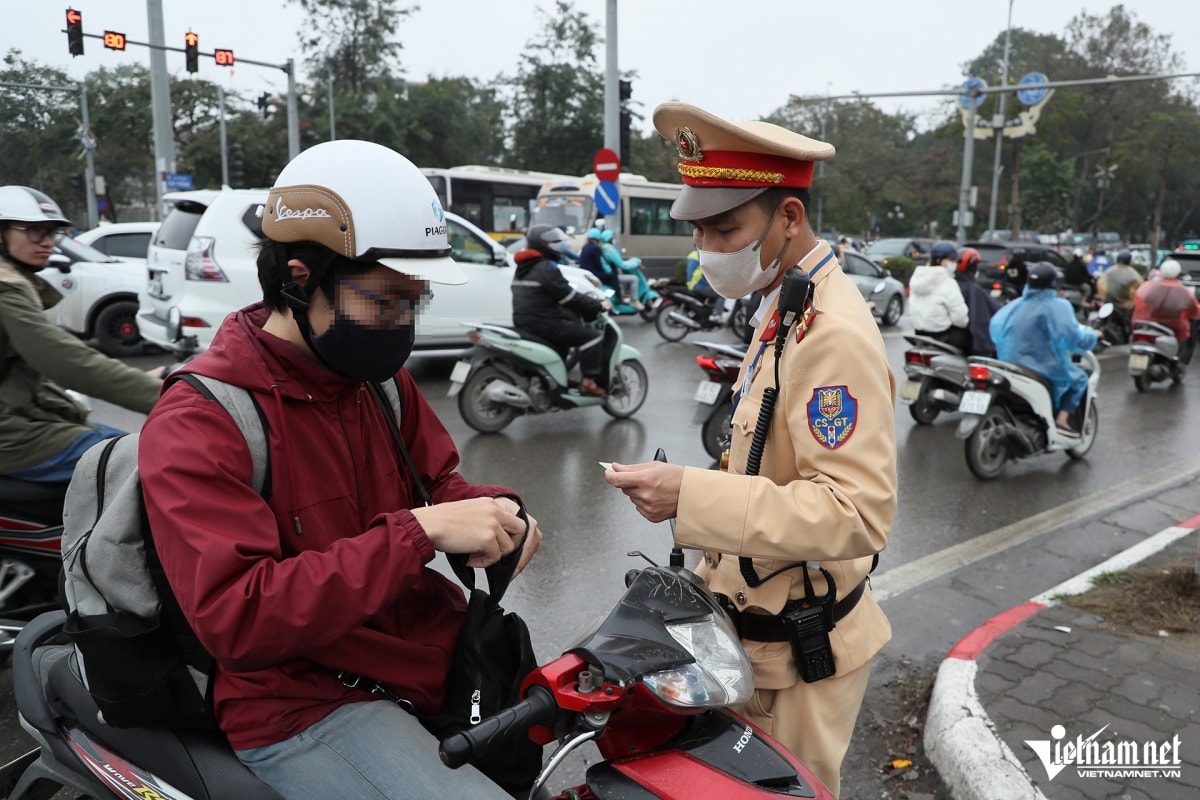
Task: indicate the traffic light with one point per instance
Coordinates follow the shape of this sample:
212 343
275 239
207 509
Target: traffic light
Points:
77 180
264 104
191 51
75 32
625 89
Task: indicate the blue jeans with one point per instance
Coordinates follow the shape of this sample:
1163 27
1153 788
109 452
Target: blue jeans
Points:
59 467
369 751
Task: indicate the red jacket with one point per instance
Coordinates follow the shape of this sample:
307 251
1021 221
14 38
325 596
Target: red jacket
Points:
331 571
1168 302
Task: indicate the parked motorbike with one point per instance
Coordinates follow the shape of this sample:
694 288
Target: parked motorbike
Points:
936 372
1008 414
721 364
683 311
650 685
1154 355
509 372
30 553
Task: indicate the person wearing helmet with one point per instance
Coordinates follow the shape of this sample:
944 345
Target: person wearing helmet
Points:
981 306
43 431
1118 283
1168 302
590 258
825 487
329 568
1078 276
1039 331
545 305
696 282
936 306
622 268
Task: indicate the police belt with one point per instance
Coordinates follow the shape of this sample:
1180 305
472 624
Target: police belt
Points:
764 628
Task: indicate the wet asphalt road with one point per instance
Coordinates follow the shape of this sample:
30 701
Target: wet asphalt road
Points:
589 527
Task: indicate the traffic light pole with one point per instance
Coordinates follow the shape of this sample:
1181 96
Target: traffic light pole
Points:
85 137
160 105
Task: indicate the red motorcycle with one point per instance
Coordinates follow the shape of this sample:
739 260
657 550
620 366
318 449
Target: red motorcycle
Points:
650 685
721 364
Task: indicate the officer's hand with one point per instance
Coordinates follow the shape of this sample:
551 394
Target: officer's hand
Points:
530 541
653 487
480 527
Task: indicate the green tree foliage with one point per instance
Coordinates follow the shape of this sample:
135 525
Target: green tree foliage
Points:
353 42
557 106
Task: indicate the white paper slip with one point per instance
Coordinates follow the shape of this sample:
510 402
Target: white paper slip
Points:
605 464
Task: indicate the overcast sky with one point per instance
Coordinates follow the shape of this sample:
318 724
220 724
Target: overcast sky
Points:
740 60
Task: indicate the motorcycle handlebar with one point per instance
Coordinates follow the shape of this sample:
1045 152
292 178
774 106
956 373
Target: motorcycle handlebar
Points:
538 708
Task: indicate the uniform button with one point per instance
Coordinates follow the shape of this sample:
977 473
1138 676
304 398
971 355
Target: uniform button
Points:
741 598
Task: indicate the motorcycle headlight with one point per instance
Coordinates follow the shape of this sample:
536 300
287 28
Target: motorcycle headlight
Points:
721 674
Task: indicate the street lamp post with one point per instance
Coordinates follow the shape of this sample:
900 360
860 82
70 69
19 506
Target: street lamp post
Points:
998 125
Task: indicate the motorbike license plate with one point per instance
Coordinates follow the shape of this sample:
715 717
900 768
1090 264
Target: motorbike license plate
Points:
910 391
708 392
996 292
974 402
1139 362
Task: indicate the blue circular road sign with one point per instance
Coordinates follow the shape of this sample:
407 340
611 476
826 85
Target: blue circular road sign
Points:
965 100
607 198
1033 93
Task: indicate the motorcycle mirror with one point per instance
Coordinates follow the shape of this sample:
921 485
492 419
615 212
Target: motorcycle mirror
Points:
676 551
1106 311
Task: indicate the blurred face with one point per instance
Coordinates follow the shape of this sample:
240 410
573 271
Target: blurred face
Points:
31 242
379 299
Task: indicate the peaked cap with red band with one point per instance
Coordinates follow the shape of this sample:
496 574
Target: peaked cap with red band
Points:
724 164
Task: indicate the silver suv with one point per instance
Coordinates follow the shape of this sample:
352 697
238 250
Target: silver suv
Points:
201 266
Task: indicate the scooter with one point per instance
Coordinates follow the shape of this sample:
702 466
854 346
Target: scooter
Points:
1008 414
647 293
714 396
509 372
1154 355
650 685
936 372
1111 323
30 554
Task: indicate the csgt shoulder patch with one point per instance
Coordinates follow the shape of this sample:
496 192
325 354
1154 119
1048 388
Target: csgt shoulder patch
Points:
832 415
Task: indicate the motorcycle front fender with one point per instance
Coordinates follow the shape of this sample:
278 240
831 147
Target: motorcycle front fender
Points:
967 425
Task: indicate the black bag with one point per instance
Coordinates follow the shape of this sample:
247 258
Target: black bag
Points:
493 656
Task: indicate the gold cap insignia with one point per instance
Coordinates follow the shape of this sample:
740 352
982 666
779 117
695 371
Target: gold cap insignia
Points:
687 145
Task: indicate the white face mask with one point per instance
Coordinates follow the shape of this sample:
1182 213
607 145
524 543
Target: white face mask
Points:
734 275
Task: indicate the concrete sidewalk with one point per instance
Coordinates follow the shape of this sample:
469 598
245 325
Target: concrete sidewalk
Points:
1040 702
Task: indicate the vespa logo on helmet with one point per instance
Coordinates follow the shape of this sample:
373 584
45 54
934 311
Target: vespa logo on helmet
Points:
282 212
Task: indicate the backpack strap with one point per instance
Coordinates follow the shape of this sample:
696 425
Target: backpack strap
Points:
250 419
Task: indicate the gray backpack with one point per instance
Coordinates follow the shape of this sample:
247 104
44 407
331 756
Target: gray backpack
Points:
138 656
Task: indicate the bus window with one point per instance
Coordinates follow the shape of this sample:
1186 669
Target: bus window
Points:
572 213
652 215
439 186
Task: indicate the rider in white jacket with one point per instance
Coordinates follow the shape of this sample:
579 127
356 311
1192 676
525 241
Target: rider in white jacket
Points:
936 306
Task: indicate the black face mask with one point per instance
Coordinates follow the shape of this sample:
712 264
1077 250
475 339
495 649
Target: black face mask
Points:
355 351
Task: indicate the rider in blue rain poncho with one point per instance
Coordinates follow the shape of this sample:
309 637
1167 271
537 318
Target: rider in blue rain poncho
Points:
1039 331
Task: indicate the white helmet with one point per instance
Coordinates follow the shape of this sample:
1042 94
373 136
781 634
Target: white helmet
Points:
365 202
22 204
1169 268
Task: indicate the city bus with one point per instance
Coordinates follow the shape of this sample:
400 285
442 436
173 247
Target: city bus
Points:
497 199
643 223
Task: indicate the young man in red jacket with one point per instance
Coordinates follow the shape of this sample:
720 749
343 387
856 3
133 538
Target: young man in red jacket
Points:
329 569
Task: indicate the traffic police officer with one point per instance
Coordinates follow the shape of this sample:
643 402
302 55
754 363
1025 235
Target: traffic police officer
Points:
817 504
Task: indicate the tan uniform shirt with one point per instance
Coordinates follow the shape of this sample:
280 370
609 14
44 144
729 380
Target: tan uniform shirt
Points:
827 485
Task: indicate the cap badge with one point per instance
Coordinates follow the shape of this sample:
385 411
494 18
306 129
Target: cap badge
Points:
687 145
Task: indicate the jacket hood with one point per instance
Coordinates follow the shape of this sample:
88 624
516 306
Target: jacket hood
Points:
245 355
925 279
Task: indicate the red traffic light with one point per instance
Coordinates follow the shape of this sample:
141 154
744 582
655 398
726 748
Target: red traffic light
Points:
223 58
74 32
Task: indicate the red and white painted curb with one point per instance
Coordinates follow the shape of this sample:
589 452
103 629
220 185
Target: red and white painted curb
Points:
960 739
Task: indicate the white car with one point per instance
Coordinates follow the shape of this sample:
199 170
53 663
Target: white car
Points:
127 241
201 266
99 296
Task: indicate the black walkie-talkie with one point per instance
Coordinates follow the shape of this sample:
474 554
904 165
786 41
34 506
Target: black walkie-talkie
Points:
795 294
